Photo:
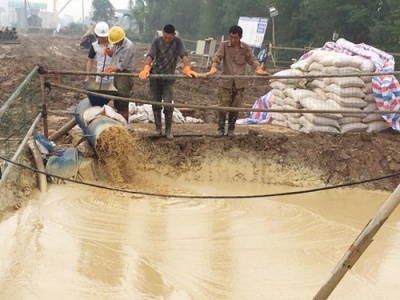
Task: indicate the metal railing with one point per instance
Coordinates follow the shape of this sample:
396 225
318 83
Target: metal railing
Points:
18 117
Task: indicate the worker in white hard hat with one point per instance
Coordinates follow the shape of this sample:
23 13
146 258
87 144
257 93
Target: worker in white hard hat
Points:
96 52
122 56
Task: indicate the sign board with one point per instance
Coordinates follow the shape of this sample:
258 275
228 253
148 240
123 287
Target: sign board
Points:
253 30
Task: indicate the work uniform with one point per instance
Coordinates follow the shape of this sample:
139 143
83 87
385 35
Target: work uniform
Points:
165 59
231 91
123 58
102 61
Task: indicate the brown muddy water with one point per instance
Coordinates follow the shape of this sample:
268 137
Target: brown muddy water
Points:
76 242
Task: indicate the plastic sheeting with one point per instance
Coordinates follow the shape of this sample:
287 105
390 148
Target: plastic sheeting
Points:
64 164
386 88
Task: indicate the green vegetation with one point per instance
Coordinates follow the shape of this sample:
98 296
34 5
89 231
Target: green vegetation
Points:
300 23
103 10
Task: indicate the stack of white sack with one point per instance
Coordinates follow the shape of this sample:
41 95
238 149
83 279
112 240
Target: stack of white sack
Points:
281 100
352 94
144 113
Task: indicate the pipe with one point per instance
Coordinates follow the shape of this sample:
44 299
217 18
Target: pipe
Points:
44 107
79 112
202 76
221 108
42 179
96 126
63 130
18 91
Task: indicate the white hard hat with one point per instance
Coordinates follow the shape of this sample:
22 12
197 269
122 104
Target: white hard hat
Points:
101 29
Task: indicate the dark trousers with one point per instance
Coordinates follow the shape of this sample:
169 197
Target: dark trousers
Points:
124 85
162 89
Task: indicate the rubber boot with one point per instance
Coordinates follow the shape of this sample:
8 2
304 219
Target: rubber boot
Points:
157 120
221 124
168 124
231 123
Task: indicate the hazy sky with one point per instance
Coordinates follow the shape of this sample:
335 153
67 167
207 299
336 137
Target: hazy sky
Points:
74 8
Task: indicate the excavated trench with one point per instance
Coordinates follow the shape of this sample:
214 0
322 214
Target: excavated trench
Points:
193 233
84 242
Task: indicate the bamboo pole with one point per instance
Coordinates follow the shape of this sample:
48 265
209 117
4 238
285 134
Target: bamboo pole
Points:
359 245
42 179
63 130
44 107
221 108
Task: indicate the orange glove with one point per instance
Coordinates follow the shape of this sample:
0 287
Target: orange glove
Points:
145 73
188 72
212 71
107 51
260 71
109 70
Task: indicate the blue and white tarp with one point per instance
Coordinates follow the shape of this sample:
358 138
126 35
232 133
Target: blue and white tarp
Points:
386 88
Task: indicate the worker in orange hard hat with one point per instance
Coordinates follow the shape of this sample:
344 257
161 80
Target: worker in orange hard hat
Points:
122 56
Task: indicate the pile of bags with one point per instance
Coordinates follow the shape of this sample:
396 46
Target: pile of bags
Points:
355 95
352 94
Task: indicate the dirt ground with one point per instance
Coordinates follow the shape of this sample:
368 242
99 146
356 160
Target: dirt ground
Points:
334 159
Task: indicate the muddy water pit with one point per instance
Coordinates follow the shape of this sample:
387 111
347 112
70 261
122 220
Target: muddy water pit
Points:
85 243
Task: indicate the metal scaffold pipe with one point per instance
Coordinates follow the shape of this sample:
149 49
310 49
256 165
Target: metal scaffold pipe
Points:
220 108
18 91
19 150
221 76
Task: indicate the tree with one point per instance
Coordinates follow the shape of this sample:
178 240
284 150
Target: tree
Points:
184 15
104 11
138 14
300 23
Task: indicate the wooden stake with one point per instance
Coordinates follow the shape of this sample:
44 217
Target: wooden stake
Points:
359 245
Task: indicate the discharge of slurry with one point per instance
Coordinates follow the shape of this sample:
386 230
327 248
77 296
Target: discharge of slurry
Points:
116 150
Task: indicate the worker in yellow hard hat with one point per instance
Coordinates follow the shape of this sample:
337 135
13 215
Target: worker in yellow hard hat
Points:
122 56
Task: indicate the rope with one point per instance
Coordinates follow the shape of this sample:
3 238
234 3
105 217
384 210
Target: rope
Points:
204 197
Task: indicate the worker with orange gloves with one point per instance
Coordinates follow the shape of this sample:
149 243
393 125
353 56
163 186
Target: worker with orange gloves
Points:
96 51
162 59
233 54
122 56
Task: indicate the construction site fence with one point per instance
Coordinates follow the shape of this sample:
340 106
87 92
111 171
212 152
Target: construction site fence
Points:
279 57
27 109
18 115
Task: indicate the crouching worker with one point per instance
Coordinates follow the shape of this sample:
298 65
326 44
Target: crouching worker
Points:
233 54
162 59
122 61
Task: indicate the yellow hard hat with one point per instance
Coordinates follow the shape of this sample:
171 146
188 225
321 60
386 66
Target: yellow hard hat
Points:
116 34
